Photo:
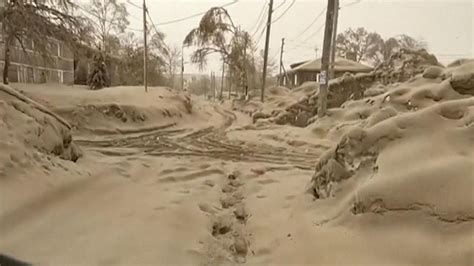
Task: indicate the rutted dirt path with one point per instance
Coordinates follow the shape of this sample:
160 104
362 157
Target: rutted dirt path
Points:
209 142
173 195
229 241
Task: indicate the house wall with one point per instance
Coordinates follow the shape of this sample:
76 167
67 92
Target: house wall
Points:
304 76
28 66
300 77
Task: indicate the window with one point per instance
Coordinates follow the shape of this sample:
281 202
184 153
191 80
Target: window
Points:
1 31
60 46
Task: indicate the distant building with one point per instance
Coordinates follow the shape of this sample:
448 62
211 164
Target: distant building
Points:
29 66
302 72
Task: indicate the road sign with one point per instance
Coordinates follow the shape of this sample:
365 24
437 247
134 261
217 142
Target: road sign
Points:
323 77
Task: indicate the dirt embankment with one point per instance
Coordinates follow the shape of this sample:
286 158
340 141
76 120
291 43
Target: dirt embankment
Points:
117 110
29 130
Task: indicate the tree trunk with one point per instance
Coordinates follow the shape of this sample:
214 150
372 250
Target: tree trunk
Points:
171 82
6 66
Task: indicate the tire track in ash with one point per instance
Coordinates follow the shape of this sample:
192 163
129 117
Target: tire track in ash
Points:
209 142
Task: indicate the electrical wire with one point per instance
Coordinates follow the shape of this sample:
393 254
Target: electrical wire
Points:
193 16
156 30
310 25
258 22
111 22
261 24
284 12
274 56
352 3
260 37
133 4
280 5
314 34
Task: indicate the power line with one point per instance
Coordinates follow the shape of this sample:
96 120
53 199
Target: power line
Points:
311 24
134 5
312 35
265 55
301 44
259 19
260 37
156 30
111 22
263 19
261 24
193 16
352 3
280 5
321 26
284 12
274 56
317 18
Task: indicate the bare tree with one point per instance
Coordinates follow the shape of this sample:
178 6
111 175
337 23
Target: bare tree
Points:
172 60
110 17
36 21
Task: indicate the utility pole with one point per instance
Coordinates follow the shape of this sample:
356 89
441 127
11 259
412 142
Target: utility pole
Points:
212 90
145 53
334 35
323 76
222 79
182 67
280 78
245 68
230 82
267 42
214 84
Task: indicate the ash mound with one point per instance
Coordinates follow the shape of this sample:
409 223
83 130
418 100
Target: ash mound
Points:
115 110
404 147
28 130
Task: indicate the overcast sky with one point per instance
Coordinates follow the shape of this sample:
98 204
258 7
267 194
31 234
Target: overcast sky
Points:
446 25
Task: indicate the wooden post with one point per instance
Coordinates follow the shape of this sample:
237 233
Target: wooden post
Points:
289 85
222 78
245 81
230 83
333 42
212 91
182 67
323 77
214 85
280 77
145 53
265 56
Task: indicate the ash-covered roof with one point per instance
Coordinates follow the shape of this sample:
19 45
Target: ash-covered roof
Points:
342 65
